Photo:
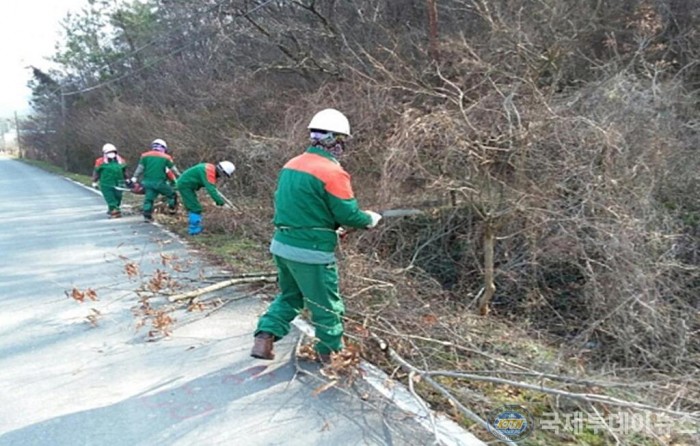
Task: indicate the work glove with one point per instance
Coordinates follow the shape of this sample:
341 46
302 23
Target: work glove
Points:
95 185
134 179
375 218
129 183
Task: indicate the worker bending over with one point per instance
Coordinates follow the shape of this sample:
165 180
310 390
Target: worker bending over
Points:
203 175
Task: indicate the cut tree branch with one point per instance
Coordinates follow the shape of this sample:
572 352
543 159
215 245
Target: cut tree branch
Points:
269 278
588 397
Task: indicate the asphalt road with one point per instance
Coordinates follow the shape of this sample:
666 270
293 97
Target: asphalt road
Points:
65 381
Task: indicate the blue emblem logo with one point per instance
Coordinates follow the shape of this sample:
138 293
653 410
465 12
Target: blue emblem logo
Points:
511 422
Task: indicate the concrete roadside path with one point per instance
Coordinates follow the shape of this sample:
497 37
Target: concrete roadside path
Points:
65 382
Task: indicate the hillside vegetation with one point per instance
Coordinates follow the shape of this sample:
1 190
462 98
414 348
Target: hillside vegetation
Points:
552 143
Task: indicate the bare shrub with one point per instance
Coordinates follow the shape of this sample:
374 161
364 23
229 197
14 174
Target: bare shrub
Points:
570 184
552 144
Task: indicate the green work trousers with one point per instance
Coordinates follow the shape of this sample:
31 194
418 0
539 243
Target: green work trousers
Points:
314 287
112 196
189 199
155 188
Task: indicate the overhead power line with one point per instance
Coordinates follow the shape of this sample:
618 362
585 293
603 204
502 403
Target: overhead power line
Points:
157 61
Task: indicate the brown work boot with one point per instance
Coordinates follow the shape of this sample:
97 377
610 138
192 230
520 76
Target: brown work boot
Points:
263 345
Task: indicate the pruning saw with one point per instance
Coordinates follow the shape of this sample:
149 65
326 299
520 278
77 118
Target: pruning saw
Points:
394 213
386 213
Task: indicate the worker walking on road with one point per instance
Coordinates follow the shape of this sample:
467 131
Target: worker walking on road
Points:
108 174
158 171
314 198
203 175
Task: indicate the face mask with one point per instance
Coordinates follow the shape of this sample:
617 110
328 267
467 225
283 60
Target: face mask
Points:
334 144
111 155
337 149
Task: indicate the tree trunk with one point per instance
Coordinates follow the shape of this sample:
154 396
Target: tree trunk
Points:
433 50
489 287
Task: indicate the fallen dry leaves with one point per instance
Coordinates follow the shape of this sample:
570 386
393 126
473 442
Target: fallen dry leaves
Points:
344 365
162 324
131 269
80 296
159 281
161 321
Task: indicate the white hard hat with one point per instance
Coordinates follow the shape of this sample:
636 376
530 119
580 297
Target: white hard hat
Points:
159 142
330 120
226 167
108 148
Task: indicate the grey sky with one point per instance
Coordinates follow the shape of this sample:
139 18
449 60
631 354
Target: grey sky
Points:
29 30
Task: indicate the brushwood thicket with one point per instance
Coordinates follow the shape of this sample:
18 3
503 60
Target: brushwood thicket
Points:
567 131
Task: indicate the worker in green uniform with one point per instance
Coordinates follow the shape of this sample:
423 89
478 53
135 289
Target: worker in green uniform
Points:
108 174
158 171
202 175
314 197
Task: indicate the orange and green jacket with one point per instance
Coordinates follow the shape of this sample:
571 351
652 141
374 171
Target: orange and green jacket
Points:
314 197
202 175
109 172
156 166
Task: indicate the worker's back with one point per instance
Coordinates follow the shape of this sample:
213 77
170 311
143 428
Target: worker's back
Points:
156 165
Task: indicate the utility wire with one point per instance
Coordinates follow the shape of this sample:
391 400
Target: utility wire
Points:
170 54
156 40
